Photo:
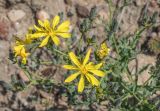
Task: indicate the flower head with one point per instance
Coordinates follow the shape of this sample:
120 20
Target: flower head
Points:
20 51
54 32
103 51
26 41
85 69
19 48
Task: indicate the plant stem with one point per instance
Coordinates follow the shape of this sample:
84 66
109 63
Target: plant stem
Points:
130 92
60 52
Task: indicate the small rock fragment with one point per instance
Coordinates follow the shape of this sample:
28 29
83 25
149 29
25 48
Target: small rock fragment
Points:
104 103
153 34
45 95
15 15
153 3
4 30
138 2
103 15
23 76
82 11
42 15
4 47
68 2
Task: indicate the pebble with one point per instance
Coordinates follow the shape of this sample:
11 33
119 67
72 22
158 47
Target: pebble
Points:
42 15
141 63
153 3
15 15
104 103
139 2
4 48
82 11
68 2
46 95
4 30
153 34
23 76
103 15
53 7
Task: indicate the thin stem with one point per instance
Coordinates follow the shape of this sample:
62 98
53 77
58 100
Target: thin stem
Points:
130 92
115 44
147 80
60 52
110 9
129 75
46 62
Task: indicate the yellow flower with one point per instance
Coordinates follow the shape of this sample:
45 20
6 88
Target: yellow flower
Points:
26 41
19 48
103 51
85 70
20 51
47 31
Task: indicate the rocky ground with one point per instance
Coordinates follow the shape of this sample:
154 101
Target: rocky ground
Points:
17 15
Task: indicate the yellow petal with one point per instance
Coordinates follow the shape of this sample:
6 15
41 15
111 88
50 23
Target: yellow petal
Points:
64 27
72 77
98 73
23 53
55 40
47 25
64 35
44 42
41 23
98 65
55 21
90 63
37 35
90 66
92 79
28 39
69 67
37 28
74 59
81 84
87 57
18 48
24 60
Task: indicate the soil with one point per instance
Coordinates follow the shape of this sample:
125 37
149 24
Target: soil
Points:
17 15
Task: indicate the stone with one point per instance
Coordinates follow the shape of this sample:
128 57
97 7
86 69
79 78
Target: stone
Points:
68 2
4 48
4 30
42 15
153 34
141 63
139 2
23 76
103 15
82 11
52 7
20 27
154 3
15 15
46 95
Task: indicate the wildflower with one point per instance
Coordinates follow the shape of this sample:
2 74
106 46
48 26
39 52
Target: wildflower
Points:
103 51
26 41
47 31
20 50
85 70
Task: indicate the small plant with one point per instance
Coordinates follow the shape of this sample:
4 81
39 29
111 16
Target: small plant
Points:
108 83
